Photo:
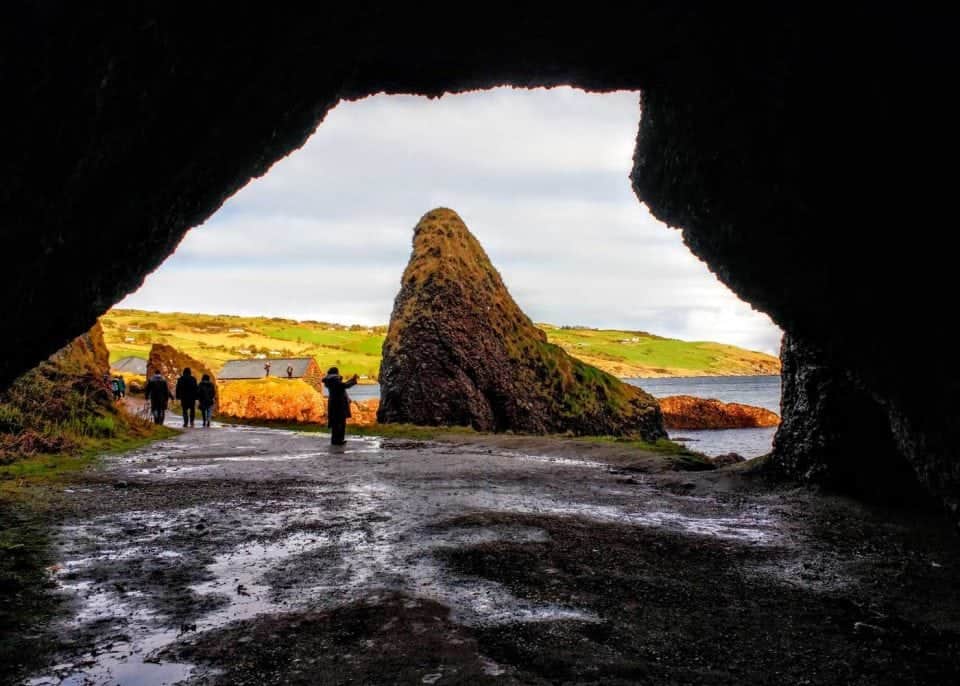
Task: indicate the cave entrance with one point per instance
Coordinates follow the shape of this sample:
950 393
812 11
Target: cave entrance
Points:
539 176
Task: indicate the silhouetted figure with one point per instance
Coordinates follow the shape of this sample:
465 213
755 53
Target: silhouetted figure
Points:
158 393
266 369
338 404
123 386
289 371
115 387
187 395
206 395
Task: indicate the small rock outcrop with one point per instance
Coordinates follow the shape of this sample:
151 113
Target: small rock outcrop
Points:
171 363
460 351
688 412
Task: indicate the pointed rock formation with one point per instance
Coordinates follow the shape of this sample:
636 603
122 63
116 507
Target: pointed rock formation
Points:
460 351
171 363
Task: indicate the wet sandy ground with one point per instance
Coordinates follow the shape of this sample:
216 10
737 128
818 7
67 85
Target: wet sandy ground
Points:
245 555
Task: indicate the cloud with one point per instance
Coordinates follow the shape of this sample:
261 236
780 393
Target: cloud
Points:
540 177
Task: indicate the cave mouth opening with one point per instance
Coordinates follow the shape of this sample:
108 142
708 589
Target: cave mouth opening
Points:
540 176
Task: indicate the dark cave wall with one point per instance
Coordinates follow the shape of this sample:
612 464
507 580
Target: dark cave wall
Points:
816 198
799 149
833 432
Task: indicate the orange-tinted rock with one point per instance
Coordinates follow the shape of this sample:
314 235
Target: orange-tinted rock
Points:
688 412
285 400
364 412
288 400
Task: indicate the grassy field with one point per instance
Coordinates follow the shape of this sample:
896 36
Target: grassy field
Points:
636 353
214 339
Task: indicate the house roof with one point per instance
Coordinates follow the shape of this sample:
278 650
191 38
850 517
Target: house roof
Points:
130 365
253 369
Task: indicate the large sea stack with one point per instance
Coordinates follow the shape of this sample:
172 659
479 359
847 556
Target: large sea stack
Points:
461 352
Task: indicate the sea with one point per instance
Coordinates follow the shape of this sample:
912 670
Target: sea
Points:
762 391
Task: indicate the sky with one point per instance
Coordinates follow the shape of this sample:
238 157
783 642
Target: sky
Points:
539 176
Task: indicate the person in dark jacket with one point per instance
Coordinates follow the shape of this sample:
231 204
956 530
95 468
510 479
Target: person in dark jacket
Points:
338 404
206 394
187 395
158 393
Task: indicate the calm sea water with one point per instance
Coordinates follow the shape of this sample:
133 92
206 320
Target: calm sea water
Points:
762 391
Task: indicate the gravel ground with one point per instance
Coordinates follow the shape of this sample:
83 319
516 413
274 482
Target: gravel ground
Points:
238 555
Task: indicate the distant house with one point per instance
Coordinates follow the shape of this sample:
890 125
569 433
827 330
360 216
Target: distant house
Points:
130 365
305 368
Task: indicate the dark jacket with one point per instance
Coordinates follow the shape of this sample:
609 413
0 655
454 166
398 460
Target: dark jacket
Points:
157 391
338 405
187 389
206 394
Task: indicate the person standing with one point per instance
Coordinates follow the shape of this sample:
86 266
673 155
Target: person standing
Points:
338 404
266 369
289 371
123 386
206 395
158 393
187 395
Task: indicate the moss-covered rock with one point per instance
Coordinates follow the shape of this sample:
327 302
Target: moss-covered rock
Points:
61 402
460 351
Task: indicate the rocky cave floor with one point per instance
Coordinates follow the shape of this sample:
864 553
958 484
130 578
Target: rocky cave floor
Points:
241 555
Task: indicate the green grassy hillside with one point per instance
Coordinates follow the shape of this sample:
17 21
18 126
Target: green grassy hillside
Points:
214 339
637 353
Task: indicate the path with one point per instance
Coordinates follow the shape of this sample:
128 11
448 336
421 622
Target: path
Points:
245 555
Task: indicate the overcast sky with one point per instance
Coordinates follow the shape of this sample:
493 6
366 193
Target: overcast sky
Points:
539 177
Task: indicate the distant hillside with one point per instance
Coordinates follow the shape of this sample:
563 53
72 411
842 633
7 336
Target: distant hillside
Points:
214 339
637 353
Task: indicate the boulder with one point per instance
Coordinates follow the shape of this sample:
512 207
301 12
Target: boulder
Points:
688 412
459 351
171 363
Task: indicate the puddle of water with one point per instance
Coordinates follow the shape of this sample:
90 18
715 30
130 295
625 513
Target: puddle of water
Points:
238 575
123 654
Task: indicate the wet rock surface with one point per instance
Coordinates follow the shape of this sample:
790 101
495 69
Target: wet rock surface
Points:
460 351
238 555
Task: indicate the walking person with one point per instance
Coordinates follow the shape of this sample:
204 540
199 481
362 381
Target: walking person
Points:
338 404
158 393
206 395
266 369
187 395
115 387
